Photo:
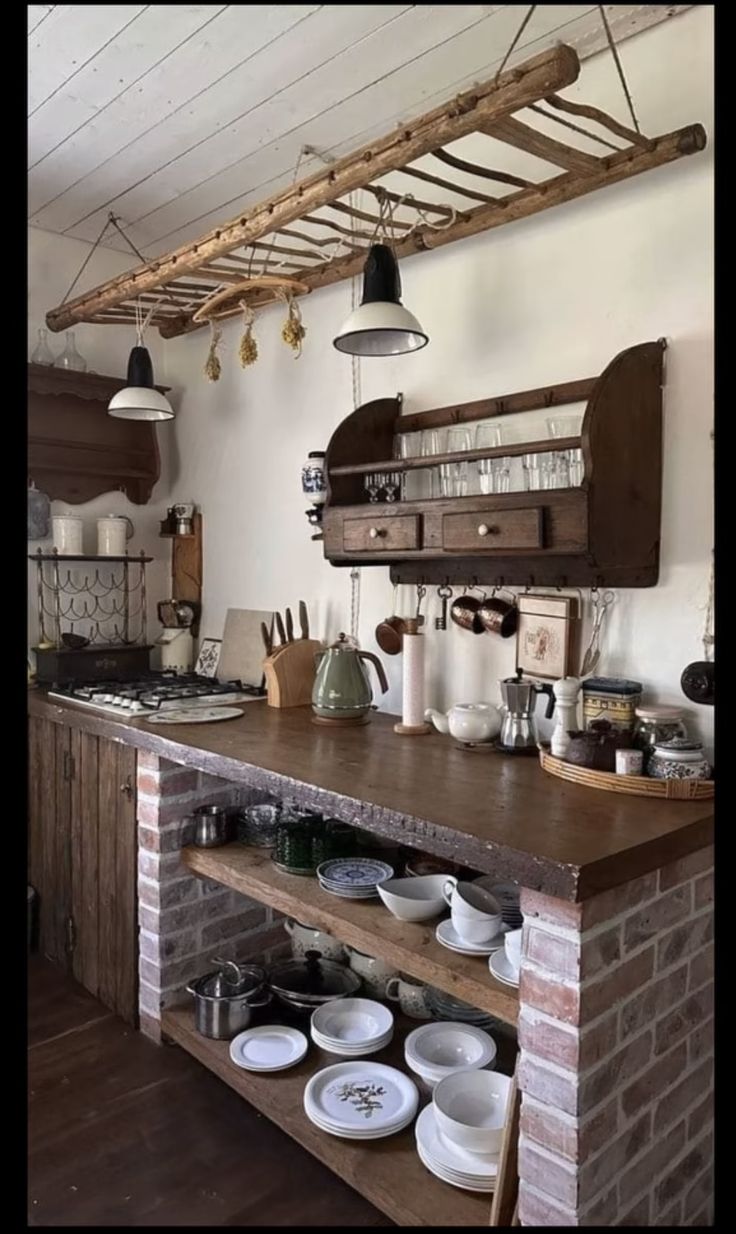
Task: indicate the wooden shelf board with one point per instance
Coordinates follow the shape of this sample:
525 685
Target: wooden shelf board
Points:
387 1172
66 557
364 924
545 445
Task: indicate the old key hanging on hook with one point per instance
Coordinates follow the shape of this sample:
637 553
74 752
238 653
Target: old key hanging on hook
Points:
445 594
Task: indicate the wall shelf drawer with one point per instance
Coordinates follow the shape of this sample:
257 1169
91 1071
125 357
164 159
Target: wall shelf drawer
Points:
489 530
381 534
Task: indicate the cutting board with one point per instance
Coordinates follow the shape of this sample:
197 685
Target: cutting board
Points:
242 652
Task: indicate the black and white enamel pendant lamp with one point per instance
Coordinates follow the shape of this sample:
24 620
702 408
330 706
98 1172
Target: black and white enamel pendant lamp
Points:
381 326
140 400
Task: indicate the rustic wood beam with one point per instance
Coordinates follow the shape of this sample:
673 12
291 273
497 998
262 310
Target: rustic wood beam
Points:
601 117
539 77
553 192
463 191
474 169
523 137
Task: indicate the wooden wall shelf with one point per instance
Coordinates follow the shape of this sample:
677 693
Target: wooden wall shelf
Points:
603 533
366 925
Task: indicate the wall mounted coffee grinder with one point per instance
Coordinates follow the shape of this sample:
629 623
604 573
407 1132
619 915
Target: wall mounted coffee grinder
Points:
519 730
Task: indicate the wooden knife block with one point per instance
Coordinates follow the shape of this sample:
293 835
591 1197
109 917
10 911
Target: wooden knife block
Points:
290 671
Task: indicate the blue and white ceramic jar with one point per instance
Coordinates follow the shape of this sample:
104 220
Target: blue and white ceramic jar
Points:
314 478
679 759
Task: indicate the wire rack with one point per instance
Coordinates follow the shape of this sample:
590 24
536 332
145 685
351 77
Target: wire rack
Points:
101 599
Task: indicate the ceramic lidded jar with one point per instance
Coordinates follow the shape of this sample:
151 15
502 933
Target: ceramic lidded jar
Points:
306 938
374 973
314 478
679 759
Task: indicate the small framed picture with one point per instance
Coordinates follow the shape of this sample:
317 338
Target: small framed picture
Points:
209 657
546 635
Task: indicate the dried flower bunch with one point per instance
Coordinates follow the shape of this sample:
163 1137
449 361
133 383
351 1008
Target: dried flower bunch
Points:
212 366
293 330
248 350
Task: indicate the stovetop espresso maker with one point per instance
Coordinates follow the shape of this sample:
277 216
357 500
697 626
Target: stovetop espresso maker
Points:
519 730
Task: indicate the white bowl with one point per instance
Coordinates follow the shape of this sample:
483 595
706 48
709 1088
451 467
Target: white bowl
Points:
414 899
450 1047
356 1021
512 947
470 1109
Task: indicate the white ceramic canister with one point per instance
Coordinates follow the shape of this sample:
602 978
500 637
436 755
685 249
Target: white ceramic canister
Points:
177 649
112 533
373 972
67 534
306 938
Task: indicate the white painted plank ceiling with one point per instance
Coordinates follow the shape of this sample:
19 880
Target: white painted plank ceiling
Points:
177 116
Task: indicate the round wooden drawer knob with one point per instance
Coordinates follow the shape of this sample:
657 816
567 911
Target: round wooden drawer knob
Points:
485 530
375 532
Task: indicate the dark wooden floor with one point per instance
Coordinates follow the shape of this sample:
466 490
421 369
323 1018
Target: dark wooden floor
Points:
123 1132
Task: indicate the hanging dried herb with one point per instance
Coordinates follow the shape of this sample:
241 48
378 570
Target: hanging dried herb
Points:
212 366
293 330
248 350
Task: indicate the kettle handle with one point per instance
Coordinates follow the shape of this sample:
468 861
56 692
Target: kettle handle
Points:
548 690
383 682
318 658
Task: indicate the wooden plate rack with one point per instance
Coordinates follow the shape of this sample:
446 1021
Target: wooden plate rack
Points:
312 231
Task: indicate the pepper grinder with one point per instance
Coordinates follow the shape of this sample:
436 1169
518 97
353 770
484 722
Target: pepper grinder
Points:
566 692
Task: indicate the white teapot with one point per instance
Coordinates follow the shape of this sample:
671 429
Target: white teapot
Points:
467 722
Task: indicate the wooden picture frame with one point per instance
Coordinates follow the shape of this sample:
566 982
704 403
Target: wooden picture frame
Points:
546 637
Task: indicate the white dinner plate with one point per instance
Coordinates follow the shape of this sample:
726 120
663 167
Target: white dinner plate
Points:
476 1167
361 1095
448 936
270 1047
502 970
436 1169
194 715
342 1134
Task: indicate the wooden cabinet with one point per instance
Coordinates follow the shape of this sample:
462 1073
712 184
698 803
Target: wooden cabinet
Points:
82 858
602 532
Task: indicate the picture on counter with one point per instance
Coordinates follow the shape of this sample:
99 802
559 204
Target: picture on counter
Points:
208 658
544 635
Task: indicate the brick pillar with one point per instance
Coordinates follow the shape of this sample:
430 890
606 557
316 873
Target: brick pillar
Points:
616 1053
186 921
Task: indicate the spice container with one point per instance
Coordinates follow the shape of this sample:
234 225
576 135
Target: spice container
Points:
655 725
614 699
679 759
629 762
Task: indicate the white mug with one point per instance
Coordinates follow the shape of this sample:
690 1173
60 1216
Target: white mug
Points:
512 948
112 533
67 533
476 915
410 995
306 938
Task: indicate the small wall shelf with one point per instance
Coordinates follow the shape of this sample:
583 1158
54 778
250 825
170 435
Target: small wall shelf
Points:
604 532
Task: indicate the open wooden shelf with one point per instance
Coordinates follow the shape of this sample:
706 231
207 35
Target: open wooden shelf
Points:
364 924
387 1172
547 445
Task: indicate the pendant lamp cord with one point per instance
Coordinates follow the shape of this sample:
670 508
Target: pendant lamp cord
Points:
619 67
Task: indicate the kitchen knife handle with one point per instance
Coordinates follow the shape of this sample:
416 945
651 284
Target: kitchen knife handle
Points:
280 628
289 626
303 619
266 638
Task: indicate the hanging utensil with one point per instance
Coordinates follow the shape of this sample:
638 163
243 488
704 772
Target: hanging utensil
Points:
601 604
303 619
289 626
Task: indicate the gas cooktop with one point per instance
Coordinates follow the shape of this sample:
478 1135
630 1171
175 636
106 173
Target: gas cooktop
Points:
156 692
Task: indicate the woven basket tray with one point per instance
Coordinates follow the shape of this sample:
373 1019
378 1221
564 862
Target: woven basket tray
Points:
636 786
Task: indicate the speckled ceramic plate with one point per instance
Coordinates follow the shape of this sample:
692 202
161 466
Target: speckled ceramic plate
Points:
194 715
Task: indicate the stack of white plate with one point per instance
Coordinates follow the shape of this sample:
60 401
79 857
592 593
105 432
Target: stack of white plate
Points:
436 1050
353 878
270 1047
508 896
352 1027
450 1162
445 1007
360 1100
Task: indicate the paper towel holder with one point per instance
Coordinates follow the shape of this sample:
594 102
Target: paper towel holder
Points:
412 730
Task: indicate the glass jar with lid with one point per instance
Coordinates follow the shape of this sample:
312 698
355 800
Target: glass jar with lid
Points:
655 725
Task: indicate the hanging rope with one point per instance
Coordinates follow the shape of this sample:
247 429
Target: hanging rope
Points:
515 40
619 66
86 261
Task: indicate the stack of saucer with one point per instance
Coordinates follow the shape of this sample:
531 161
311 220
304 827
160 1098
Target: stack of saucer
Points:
352 1027
353 878
450 1162
360 1100
459 1136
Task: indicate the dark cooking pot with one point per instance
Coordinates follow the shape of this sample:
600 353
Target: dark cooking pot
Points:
311 982
224 1000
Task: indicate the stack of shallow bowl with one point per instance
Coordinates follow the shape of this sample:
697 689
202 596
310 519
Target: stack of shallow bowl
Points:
445 1007
459 1135
353 878
360 1100
352 1027
435 1051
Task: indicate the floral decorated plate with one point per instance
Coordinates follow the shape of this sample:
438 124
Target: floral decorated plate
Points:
354 872
361 1096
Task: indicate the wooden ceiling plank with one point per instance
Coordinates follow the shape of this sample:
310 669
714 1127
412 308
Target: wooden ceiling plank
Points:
538 77
523 137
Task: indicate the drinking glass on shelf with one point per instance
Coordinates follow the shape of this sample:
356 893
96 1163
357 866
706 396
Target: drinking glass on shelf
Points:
565 466
493 473
391 483
408 445
372 484
433 442
576 467
454 476
533 471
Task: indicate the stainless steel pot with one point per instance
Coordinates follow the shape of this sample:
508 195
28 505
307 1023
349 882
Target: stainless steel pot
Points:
302 985
224 1000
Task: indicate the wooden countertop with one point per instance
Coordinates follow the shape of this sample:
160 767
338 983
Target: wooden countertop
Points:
496 813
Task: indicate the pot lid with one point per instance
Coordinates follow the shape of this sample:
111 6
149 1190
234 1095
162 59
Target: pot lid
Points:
659 713
314 976
231 981
612 685
678 745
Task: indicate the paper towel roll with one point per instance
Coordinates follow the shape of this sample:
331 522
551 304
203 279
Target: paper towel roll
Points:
413 700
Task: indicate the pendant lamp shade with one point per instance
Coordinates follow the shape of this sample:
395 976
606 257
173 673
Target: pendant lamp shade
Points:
381 326
140 400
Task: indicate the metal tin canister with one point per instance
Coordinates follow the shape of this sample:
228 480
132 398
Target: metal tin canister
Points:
611 698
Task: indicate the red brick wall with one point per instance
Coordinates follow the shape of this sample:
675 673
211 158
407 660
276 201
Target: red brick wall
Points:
186 921
616 1053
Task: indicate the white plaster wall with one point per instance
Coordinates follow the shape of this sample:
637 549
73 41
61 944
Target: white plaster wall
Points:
53 262
549 299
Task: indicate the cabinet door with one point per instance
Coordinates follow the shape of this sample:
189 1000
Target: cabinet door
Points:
104 907
49 837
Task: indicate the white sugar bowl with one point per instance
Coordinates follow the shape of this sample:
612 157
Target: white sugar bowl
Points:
679 759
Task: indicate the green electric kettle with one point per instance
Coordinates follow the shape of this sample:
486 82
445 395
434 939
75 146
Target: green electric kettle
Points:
342 690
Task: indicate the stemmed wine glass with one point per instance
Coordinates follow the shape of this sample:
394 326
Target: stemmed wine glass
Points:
372 484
